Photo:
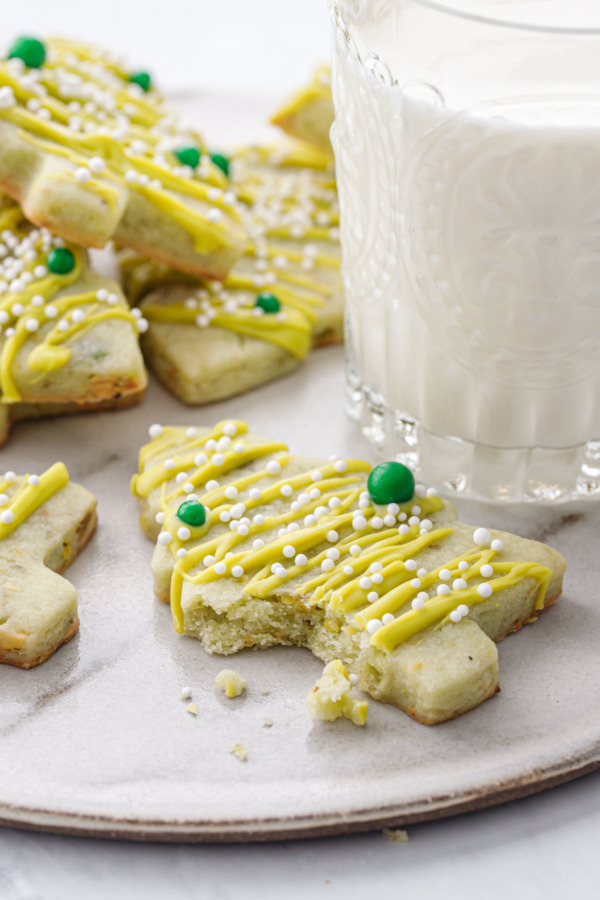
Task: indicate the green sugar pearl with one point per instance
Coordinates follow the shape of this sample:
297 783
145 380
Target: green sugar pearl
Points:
192 513
30 50
391 482
188 156
268 302
60 261
143 79
222 162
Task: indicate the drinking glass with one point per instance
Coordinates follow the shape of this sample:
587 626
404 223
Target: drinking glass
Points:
467 146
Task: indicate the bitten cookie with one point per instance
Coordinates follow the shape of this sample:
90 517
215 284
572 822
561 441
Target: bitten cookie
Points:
45 522
68 340
210 340
91 152
257 547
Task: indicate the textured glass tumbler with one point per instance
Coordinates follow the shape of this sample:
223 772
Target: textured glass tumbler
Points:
467 145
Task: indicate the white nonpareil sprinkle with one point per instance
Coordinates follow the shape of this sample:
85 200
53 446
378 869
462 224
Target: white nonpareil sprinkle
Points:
355 549
183 533
258 519
333 553
187 487
443 589
418 602
317 475
455 616
286 490
374 625
160 517
301 560
186 693
486 571
231 492
348 570
10 476
82 175
353 679
258 544
254 494
314 494
327 565
340 465
208 560
415 583
485 590
239 448
459 584
332 536
169 464
445 574
388 618
32 325
497 545
273 467
359 523
410 564
403 529
7 517
33 480
463 565
243 530
230 429
377 578
181 553
237 571
289 551
365 583
389 521
164 539
180 477
212 485
482 537
376 522
200 459
463 609
218 459
220 568
372 596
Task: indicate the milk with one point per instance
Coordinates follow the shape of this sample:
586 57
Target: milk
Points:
471 252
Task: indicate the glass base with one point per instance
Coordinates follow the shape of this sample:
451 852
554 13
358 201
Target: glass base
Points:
466 469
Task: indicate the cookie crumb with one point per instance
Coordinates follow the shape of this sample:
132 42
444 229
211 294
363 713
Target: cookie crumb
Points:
240 751
267 723
231 682
192 709
398 835
332 696
265 691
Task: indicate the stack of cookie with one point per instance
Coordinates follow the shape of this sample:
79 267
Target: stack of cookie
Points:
211 339
234 263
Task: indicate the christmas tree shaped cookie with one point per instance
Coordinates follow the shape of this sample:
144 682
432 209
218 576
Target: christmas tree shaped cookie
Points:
209 340
256 547
91 152
308 115
45 522
68 340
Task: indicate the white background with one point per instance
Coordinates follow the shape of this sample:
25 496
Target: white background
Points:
544 846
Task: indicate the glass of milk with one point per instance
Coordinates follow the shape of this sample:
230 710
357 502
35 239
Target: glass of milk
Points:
467 145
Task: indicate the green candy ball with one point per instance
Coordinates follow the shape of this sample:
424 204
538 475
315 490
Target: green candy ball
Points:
268 302
143 79
30 50
188 156
391 482
192 513
60 261
222 162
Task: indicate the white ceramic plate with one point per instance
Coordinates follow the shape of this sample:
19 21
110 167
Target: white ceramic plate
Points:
98 741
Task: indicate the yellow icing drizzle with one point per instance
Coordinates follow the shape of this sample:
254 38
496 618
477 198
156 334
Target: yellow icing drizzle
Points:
386 555
19 312
148 121
27 498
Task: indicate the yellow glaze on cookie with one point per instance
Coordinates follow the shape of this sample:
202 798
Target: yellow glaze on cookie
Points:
318 532
29 496
33 305
79 107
